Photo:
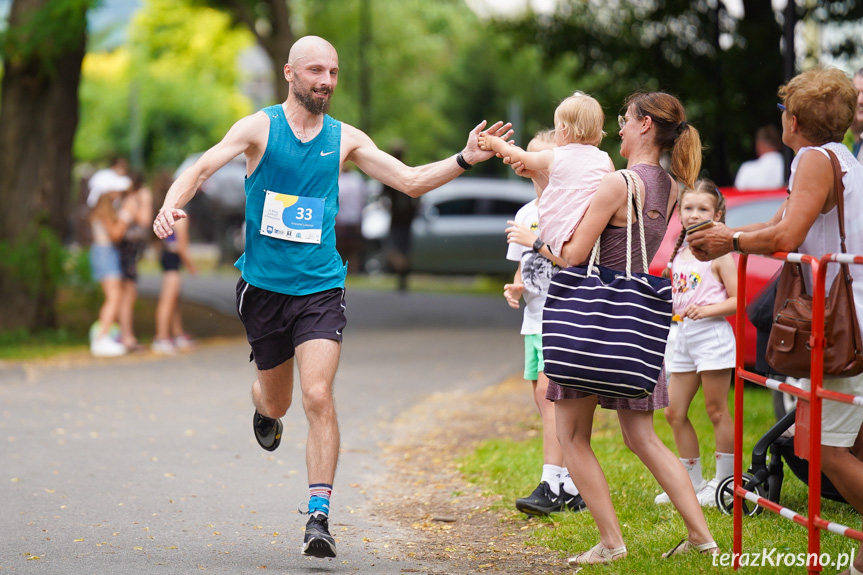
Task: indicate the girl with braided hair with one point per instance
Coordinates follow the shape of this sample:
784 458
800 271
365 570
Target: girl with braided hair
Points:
704 293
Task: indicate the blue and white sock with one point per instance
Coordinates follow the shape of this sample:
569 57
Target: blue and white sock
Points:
319 498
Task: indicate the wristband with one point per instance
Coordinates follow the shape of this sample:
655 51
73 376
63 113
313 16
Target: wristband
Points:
462 163
735 242
537 245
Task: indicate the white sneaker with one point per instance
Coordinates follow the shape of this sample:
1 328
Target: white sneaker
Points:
163 347
707 495
184 342
106 346
664 498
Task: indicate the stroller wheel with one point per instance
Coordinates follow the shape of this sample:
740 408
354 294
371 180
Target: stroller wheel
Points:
725 496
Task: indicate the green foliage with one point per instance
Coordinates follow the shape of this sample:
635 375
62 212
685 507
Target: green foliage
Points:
512 470
171 91
413 44
41 37
35 258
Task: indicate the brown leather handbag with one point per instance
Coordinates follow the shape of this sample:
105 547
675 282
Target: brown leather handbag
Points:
788 349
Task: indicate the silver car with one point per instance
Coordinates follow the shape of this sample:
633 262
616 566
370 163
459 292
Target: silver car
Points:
459 227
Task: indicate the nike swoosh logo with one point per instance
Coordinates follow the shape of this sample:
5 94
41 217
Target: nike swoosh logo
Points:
323 153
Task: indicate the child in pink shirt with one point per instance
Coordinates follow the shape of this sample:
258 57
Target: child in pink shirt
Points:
575 166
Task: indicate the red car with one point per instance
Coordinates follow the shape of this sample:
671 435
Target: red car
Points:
743 208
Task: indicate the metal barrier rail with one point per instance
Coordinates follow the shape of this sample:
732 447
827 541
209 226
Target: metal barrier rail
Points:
813 523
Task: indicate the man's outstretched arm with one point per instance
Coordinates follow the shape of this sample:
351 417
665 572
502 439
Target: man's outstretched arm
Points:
415 181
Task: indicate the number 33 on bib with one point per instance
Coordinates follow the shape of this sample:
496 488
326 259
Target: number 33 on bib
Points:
293 218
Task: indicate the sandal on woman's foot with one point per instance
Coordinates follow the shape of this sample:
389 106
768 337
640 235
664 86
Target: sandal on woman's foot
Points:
685 546
598 554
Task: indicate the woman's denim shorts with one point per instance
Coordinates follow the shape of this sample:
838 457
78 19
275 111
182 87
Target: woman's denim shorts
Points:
104 262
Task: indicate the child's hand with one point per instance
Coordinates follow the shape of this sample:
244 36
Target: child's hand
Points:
693 311
486 142
512 293
518 234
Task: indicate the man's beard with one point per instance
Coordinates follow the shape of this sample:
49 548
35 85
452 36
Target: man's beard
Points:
309 102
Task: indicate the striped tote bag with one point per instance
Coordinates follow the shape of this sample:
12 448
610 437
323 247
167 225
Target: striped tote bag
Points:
604 331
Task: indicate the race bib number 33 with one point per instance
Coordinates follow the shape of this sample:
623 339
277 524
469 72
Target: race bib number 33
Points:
293 218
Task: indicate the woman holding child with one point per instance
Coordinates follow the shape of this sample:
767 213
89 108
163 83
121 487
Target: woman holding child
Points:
652 124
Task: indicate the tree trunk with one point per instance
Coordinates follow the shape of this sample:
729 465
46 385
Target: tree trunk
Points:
278 45
38 118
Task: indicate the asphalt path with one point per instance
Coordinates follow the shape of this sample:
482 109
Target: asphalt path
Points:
146 464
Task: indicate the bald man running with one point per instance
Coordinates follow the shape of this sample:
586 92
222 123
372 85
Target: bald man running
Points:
290 296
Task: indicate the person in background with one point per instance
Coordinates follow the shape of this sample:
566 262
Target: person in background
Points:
555 491
353 193
139 203
857 124
767 172
170 336
403 209
107 226
818 106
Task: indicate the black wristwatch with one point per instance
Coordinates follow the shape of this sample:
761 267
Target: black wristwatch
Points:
462 163
537 245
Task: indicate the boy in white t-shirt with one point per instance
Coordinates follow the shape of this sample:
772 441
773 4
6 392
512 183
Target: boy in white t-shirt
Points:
555 490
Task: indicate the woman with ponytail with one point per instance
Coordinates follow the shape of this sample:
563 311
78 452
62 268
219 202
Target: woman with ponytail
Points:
653 123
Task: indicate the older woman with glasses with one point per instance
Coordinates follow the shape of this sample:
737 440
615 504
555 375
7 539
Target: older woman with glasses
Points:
817 107
653 123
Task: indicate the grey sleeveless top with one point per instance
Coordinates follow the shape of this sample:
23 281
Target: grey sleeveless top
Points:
612 246
613 255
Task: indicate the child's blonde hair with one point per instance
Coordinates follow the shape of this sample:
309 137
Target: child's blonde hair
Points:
544 136
704 186
582 117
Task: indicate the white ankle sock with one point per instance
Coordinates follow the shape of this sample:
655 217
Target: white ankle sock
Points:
693 468
568 485
724 465
551 475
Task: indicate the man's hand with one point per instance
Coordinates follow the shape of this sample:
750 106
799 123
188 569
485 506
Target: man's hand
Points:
163 226
512 293
473 153
710 243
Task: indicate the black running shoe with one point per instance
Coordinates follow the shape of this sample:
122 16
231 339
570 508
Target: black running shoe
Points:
318 542
541 502
268 431
571 502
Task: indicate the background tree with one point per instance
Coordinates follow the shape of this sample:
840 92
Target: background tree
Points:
42 49
171 90
726 70
271 21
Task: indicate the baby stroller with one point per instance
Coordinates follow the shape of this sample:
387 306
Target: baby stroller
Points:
765 477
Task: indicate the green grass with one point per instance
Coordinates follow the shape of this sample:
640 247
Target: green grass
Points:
512 470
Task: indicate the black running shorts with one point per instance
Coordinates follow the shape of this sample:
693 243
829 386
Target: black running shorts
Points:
277 323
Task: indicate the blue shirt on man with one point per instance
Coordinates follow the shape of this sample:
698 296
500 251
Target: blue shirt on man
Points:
284 195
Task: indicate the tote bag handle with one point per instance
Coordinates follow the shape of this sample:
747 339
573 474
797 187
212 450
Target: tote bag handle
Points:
633 195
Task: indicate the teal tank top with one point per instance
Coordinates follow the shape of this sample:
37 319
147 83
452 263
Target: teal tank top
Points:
309 170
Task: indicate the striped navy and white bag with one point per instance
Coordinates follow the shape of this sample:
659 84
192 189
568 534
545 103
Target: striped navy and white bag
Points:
604 331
